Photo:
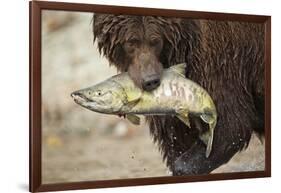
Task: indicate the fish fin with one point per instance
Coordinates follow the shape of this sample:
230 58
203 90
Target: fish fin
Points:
208 136
133 96
208 140
132 103
184 119
179 68
207 118
183 116
133 119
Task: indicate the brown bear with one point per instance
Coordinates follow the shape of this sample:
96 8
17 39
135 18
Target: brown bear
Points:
224 57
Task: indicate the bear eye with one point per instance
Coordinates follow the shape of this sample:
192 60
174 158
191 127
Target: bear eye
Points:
154 41
133 41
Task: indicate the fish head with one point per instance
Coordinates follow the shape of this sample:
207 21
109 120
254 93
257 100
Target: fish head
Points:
106 97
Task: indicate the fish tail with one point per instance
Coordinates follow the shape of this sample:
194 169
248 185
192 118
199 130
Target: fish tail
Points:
211 137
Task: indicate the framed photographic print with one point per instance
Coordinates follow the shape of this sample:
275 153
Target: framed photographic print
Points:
123 96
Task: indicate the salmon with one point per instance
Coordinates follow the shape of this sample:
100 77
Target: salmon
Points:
176 96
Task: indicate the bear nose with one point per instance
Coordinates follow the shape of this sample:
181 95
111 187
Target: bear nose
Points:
151 82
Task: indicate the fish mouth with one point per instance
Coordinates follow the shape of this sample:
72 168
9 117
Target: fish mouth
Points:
90 104
78 97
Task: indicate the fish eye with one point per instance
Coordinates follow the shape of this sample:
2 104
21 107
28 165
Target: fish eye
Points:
99 93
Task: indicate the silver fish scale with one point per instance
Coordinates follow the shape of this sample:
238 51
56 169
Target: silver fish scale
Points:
179 91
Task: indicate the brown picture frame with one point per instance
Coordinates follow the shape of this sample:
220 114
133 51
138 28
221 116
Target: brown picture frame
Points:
35 8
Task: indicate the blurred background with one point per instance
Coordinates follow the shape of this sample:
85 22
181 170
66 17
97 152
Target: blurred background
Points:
81 145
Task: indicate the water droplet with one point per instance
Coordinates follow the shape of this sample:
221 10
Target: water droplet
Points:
169 172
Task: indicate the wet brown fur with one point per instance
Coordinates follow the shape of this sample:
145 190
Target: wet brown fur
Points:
225 58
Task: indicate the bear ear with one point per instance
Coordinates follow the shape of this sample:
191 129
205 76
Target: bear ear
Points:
179 68
97 24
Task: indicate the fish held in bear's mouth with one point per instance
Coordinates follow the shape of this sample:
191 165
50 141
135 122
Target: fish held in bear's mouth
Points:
176 95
